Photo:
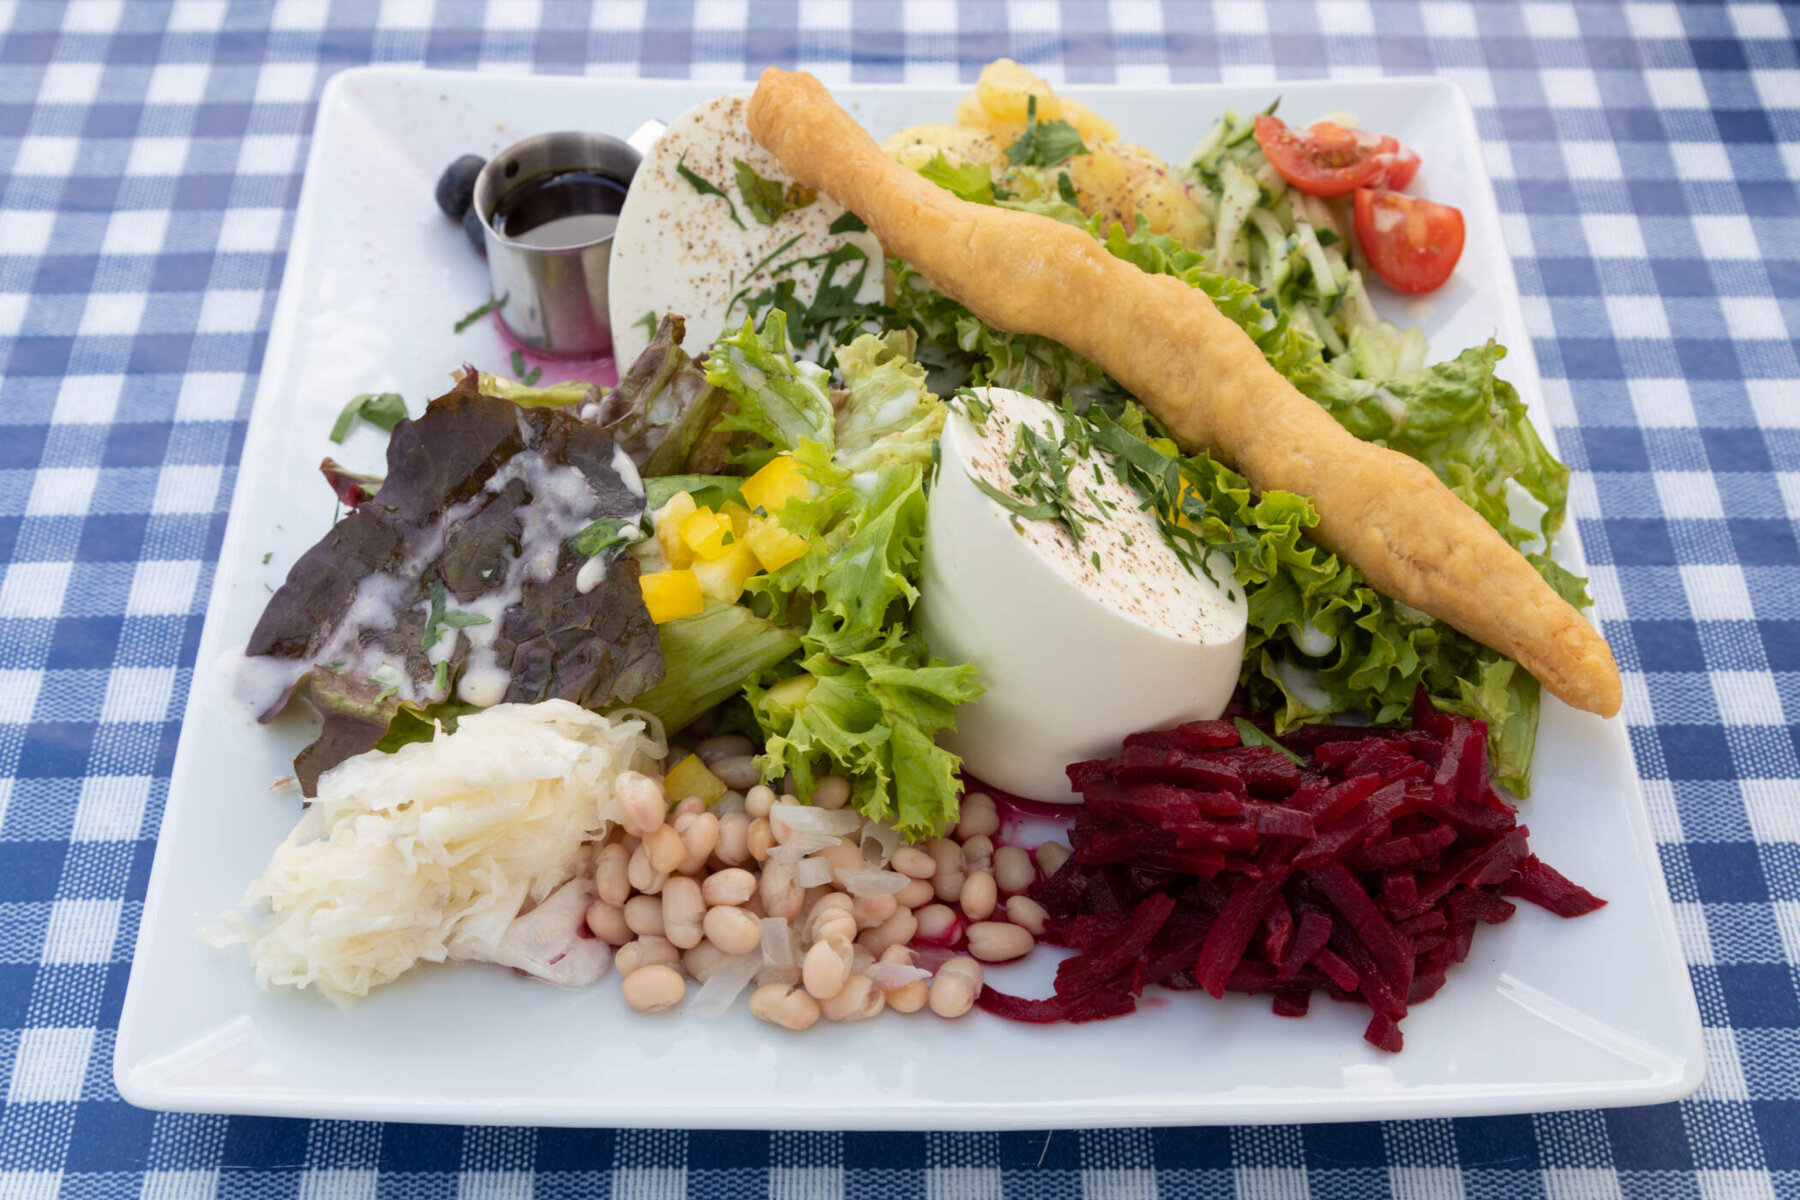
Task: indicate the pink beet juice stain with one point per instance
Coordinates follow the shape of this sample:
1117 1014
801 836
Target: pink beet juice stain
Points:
600 370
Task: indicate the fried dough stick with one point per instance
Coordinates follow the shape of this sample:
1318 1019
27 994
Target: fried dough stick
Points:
1205 380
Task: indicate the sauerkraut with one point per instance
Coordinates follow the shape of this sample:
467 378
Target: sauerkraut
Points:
433 852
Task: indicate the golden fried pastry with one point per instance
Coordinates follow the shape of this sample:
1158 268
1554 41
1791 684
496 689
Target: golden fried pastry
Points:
1207 382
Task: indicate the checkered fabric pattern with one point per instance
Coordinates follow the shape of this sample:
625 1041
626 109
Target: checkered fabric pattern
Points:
150 158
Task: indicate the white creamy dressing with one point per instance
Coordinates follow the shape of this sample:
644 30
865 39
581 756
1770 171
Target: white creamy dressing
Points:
1138 575
562 504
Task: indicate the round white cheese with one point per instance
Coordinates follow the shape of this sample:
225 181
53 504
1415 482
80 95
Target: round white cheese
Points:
679 250
1077 643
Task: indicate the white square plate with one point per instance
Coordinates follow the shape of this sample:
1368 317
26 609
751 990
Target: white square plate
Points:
1546 1013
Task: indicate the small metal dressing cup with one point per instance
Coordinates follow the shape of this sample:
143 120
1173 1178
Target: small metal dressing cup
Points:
555 296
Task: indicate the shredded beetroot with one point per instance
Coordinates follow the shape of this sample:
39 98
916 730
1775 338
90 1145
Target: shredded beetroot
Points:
1203 864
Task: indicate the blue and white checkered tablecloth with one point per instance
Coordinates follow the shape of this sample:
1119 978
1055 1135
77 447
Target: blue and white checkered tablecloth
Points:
150 156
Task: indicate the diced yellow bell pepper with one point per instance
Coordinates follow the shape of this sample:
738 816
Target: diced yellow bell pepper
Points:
705 532
723 578
689 777
775 546
671 594
740 517
777 483
669 517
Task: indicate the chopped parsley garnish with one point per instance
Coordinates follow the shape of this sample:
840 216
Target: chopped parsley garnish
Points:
384 410
1044 144
973 407
1157 480
1040 470
475 315
518 364
441 618
442 683
603 535
834 308
387 689
267 555
530 380
973 182
648 321
1065 187
848 223
768 199
707 188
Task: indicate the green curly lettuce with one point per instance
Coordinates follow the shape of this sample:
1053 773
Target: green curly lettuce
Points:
889 412
870 706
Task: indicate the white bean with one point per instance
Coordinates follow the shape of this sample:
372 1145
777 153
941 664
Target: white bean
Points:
644 952
785 1005
947 886
700 834
643 802
844 856
946 855
642 876
781 893
897 930
831 915
725 745
731 802
1027 914
733 885
977 817
909 997
916 893
833 791
687 808
664 848
997 941
607 922
978 896
858 1000
935 921
611 877
913 863
758 800
955 986
655 988
737 771
978 853
826 967
1013 871
871 911
734 838
682 912
732 930
759 839
702 960
644 914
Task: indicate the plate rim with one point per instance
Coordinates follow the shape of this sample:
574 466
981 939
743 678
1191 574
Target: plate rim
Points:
1459 1100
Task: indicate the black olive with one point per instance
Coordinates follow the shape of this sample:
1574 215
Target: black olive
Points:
456 186
471 224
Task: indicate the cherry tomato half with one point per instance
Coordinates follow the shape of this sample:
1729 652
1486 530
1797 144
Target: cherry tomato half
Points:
1326 160
1400 164
1413 244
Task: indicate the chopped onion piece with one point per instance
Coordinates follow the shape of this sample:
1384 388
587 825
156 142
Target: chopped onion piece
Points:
895 975
867 881
884 838
728 979
803 818
778 943
812 872
768 974
800 845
